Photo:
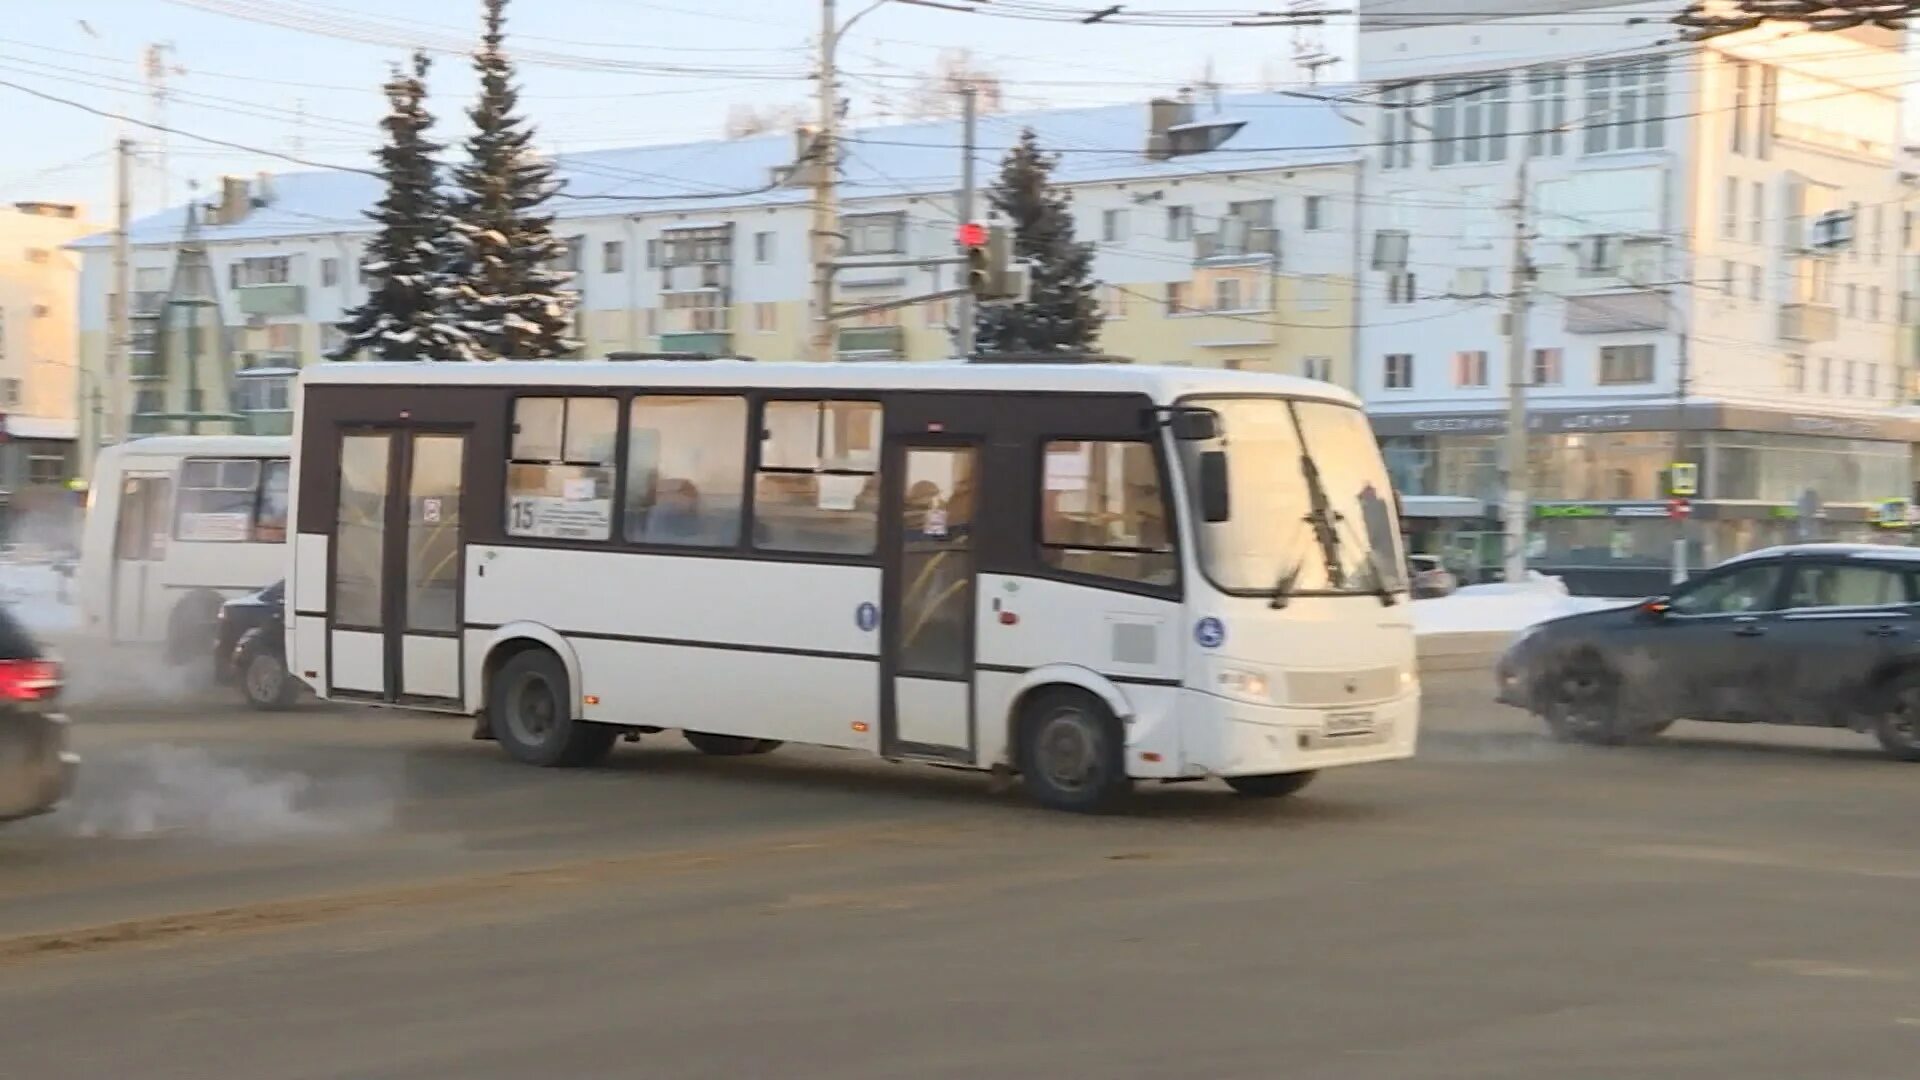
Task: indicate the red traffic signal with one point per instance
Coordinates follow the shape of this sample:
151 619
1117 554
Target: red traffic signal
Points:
972 234
1679 508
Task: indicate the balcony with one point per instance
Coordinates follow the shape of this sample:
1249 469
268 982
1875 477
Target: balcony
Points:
718 343
147 366
1236 241
1808 322
1619 312
272 299
871 343
149 305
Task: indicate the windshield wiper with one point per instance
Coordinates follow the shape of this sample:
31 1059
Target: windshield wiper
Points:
1283 588
1321 516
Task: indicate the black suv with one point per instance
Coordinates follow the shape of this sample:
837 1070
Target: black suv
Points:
1821 635
249 648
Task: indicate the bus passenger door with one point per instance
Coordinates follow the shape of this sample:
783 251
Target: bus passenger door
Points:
140 536
394 624
927 651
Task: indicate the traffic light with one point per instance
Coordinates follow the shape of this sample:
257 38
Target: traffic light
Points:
989 251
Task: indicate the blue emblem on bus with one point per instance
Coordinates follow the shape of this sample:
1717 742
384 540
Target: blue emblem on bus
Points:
866 616
1210 632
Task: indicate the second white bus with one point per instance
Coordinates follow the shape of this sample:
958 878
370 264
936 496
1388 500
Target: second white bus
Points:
1083 574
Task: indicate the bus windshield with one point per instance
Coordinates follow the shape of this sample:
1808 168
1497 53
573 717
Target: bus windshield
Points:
1311 507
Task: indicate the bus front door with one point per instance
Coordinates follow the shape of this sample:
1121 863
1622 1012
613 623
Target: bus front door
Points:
394 623
927 651
144 515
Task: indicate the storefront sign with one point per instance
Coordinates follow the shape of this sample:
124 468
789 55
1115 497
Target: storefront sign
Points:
1600 510
1699 417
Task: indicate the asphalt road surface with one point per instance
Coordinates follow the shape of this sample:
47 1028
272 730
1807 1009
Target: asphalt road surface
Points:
338 893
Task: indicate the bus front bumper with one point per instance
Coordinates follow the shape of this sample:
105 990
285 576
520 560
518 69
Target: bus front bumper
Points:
1224 737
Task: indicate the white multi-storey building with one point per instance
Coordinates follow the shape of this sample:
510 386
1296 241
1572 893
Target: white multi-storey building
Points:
1671 194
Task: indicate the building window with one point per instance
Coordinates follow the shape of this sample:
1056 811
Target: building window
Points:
262 270
875 234
817 489
46 466
1103 512
1624 364
1113 226
1873 380
1756 225
560 468
1114 305
1742 78
1470 120
1317 367
1176 297
1756 282
1730 210
685 459
1470 368
709 246
1546 367
763 247
1226 295
1315 213
1400 287
1873 302
1727 271
613 257
1853 300
329 273
232 501
1626 105
1848 375
1547 110
1398 371
1179 223
766 318
1797 373
1826 374
1396 127
1875 237
263 394
653 254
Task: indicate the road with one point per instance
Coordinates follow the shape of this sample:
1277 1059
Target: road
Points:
345 894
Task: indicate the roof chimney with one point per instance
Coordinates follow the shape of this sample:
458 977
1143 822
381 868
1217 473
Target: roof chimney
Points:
233 204
1163 114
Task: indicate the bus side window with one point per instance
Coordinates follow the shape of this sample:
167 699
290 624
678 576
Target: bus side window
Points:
1103 512
818 487
560 468
217 500
685 458
270 522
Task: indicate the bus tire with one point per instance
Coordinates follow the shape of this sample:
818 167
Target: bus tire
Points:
1072 752
729 745
530 708
1272 785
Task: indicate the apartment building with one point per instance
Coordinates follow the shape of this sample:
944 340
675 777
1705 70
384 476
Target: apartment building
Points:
42 390
1223 229
1680 219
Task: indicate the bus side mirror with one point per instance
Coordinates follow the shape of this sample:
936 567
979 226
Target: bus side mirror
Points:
1195 425
1214 507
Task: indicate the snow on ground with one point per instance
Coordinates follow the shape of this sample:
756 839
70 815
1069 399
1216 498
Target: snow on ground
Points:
1500 608
33 593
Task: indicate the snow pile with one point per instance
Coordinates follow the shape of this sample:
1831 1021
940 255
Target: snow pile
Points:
38 596
1499 608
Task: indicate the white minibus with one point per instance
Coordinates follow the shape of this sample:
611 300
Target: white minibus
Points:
1084 574
175 525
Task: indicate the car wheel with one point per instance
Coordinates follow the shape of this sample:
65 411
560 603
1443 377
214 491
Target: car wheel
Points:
267 683
530 707
1272 786
1581 703
1897 724
729 745
1072 753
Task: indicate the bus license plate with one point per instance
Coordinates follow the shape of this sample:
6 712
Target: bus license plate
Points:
1343 725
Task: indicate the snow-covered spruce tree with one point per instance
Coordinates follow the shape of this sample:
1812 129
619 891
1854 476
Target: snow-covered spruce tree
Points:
500 286
402 318
1060 314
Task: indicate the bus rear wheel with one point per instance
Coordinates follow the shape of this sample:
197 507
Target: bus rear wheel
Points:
530 709
1271 786
1072 753
729 745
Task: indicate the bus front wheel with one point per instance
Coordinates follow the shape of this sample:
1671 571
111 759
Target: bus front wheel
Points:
530 707
1072 753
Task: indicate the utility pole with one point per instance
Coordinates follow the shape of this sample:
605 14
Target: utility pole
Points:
826 212
119 349
964 310
1520 280
1681 388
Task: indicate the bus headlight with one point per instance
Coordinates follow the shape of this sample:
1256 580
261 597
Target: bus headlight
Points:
1243 684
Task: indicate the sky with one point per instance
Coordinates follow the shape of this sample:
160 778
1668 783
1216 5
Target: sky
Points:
594 73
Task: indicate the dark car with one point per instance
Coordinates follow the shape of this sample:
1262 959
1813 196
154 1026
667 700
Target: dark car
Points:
250 648
36 765
1820 635
1429 577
